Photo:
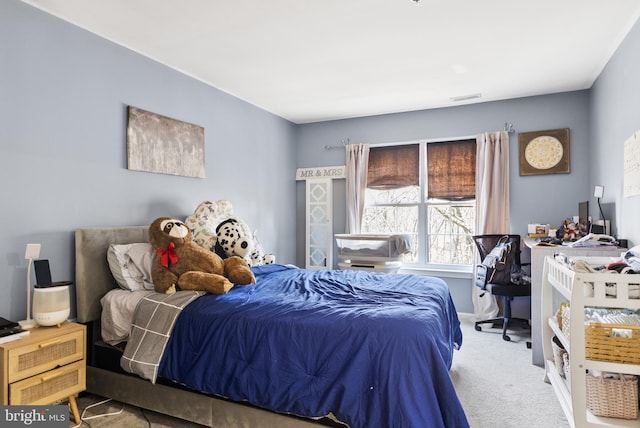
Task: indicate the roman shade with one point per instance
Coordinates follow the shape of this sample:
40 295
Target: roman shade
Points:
393 167
451 168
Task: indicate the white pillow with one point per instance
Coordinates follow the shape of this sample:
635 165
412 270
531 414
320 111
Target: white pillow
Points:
130 265
118 308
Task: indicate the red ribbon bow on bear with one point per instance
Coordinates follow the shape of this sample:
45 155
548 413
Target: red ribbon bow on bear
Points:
168 255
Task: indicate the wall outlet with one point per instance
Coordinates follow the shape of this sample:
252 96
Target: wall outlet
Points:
32 252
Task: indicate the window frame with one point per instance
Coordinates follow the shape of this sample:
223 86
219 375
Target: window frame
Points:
423 204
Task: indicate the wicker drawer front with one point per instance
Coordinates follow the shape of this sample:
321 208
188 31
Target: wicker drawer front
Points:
35 358
49 387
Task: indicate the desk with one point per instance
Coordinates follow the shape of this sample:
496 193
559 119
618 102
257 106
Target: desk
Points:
538 253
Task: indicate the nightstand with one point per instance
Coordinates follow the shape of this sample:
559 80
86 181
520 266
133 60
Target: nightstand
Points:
45 366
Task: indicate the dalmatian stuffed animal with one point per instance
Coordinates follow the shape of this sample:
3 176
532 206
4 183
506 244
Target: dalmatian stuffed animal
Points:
234 238
258 256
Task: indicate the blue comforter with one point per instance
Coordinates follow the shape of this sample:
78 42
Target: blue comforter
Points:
373 349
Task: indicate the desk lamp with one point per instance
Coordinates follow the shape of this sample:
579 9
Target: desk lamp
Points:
32 252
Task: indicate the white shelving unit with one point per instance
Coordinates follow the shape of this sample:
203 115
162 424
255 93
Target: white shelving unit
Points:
571 286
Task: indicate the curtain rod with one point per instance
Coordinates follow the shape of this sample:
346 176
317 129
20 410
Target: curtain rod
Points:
508 128
343 143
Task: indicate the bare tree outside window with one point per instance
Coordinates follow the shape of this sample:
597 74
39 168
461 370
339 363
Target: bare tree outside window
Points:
449 233
393 211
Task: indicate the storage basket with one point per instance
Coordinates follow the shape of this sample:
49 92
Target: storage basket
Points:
558 316
612 398
616 343
564 306
612 342
567 368
558 352
565 323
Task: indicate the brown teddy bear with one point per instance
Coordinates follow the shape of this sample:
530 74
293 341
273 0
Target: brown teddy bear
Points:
179 262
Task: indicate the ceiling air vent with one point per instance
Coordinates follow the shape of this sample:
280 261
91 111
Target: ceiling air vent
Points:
466 97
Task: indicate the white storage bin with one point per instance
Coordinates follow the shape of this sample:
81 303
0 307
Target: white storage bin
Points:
372 248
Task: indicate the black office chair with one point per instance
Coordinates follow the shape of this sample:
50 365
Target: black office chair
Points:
507 291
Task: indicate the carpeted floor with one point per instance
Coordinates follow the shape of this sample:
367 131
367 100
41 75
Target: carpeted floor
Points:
497 384
495 380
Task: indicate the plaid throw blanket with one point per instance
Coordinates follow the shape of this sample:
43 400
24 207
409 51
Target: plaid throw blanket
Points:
153 321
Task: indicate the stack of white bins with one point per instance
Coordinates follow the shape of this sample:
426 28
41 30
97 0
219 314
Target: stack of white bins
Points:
379 253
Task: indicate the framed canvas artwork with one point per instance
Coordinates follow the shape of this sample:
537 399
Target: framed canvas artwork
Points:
160 144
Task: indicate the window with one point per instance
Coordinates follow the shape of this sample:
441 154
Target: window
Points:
426 190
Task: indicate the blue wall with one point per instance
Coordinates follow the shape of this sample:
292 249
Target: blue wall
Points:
542 199
63 165
614 117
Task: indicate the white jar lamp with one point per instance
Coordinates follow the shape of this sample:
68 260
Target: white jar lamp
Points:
51 305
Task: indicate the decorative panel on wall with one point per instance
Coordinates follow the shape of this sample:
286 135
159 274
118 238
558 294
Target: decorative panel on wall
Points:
319 246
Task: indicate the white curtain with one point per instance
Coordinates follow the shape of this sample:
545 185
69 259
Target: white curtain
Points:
357 156
492 203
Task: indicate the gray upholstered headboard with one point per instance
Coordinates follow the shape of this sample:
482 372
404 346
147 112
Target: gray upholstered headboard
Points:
93 277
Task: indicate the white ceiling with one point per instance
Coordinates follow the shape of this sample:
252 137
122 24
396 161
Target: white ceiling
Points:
316 60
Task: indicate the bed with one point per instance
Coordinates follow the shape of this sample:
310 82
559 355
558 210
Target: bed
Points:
297 349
